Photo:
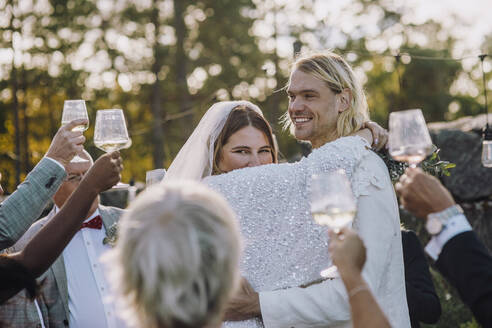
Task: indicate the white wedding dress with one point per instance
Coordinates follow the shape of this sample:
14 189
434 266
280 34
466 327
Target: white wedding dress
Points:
284 248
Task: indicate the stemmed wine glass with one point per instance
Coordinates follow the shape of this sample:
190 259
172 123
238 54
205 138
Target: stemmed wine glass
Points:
332 205
110 133
409 139
74 110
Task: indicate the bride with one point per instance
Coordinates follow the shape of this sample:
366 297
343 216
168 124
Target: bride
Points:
283 246
231 135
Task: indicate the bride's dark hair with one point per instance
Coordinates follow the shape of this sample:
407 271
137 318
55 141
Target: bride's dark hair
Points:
240 117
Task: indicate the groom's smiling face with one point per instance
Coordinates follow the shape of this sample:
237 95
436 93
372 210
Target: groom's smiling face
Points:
313 108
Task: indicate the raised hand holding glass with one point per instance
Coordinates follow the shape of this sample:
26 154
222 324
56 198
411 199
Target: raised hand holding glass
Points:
110 133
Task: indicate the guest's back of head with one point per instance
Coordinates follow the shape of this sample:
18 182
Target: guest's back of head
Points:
176 259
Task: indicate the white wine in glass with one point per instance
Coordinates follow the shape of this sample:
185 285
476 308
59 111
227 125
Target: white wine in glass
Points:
110 133
74 110
332 204
335 218
111 145
409 139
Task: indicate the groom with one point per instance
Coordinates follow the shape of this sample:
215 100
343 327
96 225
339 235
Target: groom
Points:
326 102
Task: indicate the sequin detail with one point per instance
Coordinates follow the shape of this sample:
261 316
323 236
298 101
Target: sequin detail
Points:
283 246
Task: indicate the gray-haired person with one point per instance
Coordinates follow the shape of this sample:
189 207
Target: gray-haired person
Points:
176 261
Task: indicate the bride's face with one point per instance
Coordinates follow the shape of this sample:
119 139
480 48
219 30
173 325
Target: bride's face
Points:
246 148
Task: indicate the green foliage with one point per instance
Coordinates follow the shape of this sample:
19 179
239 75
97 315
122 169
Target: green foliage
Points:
433 165
467 106
122 41
424 84
470 324
217 34
63 29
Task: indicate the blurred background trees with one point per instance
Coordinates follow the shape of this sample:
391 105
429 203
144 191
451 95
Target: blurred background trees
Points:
164 62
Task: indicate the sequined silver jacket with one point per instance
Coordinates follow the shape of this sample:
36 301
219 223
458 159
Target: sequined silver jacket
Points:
285 249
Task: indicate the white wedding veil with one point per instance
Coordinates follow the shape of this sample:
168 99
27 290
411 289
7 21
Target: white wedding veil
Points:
195 159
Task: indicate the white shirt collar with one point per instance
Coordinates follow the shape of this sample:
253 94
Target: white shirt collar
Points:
93 215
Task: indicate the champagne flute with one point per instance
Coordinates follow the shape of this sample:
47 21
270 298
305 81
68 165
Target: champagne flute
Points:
110 133
332 205
74 110
409 139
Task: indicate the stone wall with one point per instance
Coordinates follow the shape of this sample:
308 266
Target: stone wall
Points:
470 183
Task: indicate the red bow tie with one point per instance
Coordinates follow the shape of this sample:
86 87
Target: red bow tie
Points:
94 223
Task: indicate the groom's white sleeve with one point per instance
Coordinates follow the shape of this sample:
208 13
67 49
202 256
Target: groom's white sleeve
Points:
326 304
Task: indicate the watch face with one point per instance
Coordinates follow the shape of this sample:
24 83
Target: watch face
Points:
433 226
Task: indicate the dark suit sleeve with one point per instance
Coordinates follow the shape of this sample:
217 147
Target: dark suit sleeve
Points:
467 264
423 302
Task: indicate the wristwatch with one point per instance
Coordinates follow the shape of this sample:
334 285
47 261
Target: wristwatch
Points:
437 221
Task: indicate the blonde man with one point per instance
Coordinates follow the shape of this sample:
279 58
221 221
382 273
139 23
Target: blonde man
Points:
175 263
326 101
286 250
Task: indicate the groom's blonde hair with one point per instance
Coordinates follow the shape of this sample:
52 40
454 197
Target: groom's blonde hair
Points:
337 74
175 263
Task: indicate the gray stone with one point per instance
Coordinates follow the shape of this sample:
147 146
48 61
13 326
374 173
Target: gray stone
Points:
469 180
465 124
480 214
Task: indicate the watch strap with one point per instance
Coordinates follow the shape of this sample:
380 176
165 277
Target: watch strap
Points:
436 221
